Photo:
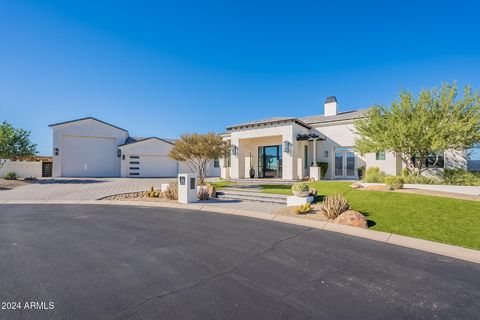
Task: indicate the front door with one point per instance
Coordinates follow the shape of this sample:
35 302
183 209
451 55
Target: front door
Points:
270 162
344 164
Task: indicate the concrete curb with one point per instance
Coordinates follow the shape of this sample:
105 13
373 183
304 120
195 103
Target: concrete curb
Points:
461 253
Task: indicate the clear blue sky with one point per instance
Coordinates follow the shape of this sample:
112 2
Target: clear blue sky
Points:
163 68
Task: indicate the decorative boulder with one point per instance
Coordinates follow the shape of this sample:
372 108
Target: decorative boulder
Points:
352 218
378 188
356 185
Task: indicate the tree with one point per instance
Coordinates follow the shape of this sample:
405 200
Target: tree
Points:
14 143
414 128
197 151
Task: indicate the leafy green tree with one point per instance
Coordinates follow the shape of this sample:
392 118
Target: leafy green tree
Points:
198 151
416 127
14 143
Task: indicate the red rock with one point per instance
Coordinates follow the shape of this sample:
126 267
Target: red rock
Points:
352 218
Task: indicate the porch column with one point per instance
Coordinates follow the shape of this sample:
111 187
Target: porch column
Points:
288 163
314 152
235 158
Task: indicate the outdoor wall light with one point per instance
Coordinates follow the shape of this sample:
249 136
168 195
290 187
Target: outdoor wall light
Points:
234 150
287 146
55 151
123 157
325 154
119 153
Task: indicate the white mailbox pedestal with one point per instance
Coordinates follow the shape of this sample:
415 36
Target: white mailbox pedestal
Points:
187 188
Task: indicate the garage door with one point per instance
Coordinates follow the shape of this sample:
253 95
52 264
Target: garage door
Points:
89 157
152 166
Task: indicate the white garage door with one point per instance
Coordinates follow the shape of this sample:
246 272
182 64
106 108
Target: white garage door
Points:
89 157
152 166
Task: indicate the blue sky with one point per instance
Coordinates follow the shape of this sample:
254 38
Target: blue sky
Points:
163 68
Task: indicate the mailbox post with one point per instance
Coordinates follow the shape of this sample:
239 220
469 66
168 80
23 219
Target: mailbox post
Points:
187 188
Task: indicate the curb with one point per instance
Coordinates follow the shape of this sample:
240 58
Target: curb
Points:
447 250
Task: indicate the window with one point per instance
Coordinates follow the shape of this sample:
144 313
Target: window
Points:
216 163
305 157
433 160
134 157
380 155
134 162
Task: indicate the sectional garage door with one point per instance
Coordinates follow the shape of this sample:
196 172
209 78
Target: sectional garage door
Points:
152 166
89 157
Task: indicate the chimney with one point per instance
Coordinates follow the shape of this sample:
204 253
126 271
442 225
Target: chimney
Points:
331 106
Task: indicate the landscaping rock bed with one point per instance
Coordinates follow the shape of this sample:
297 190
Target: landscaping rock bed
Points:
136 196
10 184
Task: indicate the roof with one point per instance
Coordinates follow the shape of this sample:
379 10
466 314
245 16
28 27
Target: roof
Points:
273 120
341 116
87 118
132 140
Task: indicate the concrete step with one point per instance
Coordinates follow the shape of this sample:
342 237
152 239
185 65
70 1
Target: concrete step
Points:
252 196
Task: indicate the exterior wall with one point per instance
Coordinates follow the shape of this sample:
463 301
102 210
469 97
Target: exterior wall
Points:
84 128
391 165
453 159
211 170
337 135
22 169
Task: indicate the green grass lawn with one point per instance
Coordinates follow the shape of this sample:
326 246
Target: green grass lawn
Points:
446 220
219 184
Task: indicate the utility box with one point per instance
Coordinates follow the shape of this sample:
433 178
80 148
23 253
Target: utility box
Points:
187 188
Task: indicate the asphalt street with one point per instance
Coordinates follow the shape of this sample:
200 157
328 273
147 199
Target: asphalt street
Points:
124 262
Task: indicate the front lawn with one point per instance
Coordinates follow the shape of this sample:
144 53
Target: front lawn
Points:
446 220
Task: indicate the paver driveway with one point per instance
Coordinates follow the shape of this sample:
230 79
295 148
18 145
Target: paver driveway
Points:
80 189
117 262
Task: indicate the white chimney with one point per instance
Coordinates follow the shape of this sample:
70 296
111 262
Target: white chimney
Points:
331 106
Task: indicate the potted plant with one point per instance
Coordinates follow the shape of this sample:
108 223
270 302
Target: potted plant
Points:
300 189
252 171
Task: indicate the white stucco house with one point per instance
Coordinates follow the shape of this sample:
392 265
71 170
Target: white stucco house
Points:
89 147
288 147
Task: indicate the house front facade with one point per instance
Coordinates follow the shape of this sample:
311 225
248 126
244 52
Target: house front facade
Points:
292 148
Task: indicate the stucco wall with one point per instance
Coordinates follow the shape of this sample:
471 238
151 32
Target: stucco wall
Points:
338 134
391 165
22 169
84 128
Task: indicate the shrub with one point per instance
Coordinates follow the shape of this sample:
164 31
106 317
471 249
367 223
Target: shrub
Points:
11 176
202 193
460 177
300 186
374 175
313 192
334 205
419 179
405 173
394 182
304 208
152 193
323 168
172 191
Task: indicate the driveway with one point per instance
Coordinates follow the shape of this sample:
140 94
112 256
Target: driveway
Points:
80 189
122 262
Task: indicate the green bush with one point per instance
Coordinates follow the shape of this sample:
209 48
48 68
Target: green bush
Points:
394 182
323 168
152 193
460 177
11 176
405 172
418 179
300 186
334 205
374 175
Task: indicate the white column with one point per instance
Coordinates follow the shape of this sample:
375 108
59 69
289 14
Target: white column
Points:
314 152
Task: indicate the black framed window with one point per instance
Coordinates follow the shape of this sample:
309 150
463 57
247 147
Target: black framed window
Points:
433 160
216 163
227 160
305 157
380 155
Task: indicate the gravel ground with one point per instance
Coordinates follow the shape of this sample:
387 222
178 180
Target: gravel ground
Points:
10 184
